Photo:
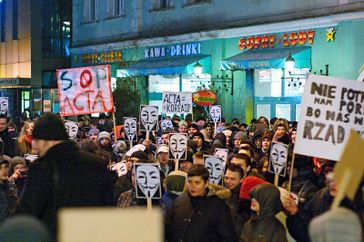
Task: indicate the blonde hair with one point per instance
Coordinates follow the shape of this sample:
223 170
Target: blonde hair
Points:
22 144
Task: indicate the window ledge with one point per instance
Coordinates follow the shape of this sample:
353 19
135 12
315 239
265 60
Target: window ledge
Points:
89 21
192 5
161 9
123 15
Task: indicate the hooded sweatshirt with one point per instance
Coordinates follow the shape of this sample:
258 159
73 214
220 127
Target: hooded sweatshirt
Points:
265 226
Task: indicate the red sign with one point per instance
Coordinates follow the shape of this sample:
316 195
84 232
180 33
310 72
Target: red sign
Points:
271 40
204 98
85 90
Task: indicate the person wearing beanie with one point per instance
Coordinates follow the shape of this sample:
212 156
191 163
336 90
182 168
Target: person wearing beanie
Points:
62 176
92 134
174 186
200 142
238 138
264 226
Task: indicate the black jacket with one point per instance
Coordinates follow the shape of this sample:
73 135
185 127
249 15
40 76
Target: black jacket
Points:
9 143
196 219
65 177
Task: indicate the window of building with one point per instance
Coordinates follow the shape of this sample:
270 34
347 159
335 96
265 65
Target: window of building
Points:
15 19
90 9
2 20
162 4
115 8
191 2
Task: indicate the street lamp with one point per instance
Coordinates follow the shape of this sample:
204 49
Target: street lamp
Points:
289 64
197 69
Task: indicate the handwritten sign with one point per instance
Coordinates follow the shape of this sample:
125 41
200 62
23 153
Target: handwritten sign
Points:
85 90
4 105
148 180
330 108
177 102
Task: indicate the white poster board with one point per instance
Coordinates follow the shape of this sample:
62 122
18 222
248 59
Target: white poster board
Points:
177 102
85 90
330 108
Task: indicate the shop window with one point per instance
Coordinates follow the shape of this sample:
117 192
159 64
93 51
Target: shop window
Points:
263 110
163 83
90 8
294 82
268 83
298 111
283 111
115 8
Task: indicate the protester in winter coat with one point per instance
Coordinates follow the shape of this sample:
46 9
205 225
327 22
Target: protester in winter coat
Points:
9 144
7 191
196 215
63 176
264 226
24 141
174 186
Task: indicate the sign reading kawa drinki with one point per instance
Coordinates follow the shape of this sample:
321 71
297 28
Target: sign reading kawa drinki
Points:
330 108
85 90
177 102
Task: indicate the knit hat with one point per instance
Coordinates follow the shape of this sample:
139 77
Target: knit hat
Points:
176 181
50 127
248 184
240 136
103 134
16 160
162 148
93 131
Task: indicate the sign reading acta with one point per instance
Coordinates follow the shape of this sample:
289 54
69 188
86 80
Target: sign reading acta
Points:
204 98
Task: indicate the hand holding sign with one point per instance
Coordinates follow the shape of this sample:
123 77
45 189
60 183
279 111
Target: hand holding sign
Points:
349 171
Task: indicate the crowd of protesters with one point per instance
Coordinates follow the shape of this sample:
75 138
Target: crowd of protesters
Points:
42 170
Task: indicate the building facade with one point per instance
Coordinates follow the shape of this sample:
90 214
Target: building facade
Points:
242 47
35 41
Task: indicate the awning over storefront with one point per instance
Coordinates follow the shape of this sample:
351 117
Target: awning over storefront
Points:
268 58
166 66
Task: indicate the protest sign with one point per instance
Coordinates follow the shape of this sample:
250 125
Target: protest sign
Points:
330 108
278 158
71 128
85 90
120 168
177 102
215 166
130 129
166 123
148 180
222 153
177 146
215 113
4 105
148 118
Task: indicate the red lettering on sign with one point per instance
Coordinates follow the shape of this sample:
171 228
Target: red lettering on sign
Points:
256 42
285 40
272 39
302 37
250 43
311 35
83 93
85 78
242 44
99 99
67 103
264 42
293 38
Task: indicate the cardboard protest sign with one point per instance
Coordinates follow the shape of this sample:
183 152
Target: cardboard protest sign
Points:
177 102
85 90
215 166
222 153
278 158
148 180
71 128
330 108
177 146
166 123
94 220
130 129
4 105
349 173
148 118
215 113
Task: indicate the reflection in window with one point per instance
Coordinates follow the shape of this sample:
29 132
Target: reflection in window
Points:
294 82
268 83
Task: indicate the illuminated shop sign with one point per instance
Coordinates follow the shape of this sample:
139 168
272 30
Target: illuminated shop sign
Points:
187 49
102 57
297 38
